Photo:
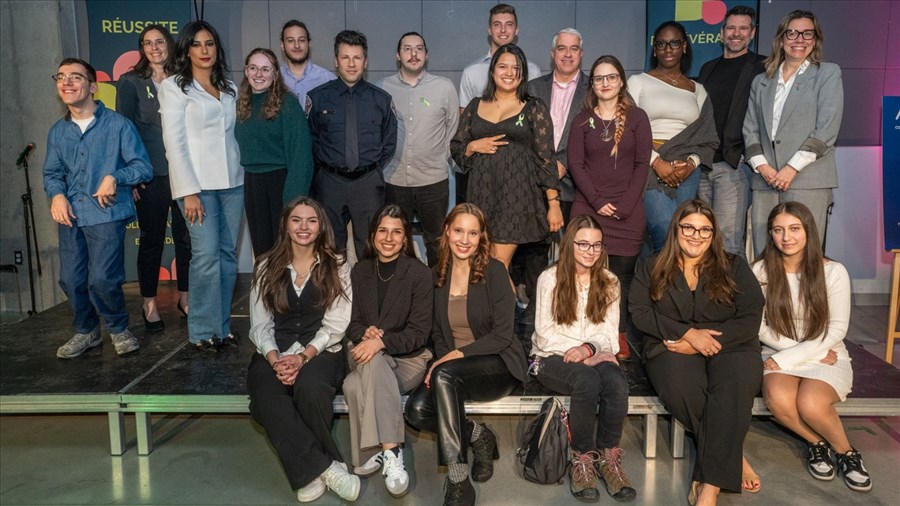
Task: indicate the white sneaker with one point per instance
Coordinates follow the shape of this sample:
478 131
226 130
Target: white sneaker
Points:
125 342
338 479
312 491
79 343
396 479
371 466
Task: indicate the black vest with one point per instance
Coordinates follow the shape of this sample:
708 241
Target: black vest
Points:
303 320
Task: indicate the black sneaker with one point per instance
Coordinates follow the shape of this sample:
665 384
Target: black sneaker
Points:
854 471
818 461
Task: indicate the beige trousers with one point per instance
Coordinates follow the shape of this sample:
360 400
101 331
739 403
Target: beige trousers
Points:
372 392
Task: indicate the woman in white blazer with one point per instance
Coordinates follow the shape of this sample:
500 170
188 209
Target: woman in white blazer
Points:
197 106
791 125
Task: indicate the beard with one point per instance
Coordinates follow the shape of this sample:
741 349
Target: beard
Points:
297 61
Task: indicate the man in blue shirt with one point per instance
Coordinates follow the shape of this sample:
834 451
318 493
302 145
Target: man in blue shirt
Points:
94 157
354 134
299 73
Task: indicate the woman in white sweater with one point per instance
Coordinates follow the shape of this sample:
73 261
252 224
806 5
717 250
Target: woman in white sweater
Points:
197 108
575 342
807 367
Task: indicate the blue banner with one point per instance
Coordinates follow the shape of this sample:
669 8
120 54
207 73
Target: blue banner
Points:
702 19
890 168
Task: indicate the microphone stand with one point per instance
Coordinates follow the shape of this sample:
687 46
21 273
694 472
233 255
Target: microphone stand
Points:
30 237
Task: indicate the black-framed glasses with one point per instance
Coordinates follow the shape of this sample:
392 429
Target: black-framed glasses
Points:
74 77
610 78
806 34
586 246
660 45
689 230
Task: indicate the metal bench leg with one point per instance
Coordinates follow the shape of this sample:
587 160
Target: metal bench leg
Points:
677 441
144 433
116 432
650 424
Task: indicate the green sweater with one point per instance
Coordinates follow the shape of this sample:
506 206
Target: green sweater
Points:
282 142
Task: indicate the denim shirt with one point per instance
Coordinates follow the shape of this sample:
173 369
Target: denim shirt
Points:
76 163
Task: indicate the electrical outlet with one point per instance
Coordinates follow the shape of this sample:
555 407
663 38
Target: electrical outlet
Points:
17 255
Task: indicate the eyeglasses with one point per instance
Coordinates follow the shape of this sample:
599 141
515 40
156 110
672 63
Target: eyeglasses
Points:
610 78
74 77
689 230
154 43
793 34
660 45
410 49
586 246
264 70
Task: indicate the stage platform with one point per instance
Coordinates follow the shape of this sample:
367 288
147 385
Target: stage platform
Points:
169 376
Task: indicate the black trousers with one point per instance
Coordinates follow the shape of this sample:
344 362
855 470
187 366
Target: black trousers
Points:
347 200
153 215
429 203
298 418
623 268
599 396
263 202
713 398
462 185
441 409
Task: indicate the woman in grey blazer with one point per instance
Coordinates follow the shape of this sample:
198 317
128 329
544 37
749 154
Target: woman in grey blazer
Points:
792 122
136 99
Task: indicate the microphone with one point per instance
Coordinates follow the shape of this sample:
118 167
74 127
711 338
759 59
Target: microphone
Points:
25 153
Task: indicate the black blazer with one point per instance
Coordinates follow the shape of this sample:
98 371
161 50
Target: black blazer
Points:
406 312
490 308
733 141
138 100
680 310
542 87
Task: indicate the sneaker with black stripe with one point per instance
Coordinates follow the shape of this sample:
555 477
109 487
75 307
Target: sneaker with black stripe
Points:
819 462
856 477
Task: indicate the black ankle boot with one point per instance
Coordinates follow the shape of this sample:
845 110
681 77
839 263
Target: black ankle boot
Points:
485 450
459 494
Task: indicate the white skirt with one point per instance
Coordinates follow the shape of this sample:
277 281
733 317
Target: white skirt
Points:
839 375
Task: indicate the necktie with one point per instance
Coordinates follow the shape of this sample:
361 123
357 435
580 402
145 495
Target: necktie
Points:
351 149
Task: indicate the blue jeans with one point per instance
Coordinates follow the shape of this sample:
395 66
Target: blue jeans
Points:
91 272
599 396
727 190
214 262
660 207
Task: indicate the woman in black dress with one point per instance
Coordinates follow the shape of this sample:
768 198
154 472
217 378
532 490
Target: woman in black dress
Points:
505 144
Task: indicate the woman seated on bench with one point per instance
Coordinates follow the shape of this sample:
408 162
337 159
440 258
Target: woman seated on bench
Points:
300 307
576 338
479 356
807 367
392 300
699 309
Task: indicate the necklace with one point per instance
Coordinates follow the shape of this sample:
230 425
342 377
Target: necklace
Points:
378 272
606 135
673 79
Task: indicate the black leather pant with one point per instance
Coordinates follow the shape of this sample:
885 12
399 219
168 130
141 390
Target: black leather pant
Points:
441 410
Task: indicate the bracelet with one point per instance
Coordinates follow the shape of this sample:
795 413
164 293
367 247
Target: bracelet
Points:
551 199
303 357
590 348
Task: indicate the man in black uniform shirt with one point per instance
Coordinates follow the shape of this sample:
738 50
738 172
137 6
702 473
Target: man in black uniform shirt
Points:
354 135
727 79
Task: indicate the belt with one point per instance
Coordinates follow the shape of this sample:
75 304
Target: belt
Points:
346 173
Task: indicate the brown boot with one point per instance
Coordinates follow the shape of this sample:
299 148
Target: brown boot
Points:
624 351
610 469
583 476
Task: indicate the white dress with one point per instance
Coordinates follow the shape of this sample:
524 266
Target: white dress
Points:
803 358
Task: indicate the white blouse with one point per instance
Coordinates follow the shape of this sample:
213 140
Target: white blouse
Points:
551 338
198 131
334 322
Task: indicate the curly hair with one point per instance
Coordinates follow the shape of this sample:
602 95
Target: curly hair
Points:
478 262
276 91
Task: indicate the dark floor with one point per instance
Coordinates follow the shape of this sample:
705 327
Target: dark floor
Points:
219 459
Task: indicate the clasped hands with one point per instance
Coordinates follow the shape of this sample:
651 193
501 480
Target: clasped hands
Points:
583 355
778 179
694 341
673 173
771 365
371 343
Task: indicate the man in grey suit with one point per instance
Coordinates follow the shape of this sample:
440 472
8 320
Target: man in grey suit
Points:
563 91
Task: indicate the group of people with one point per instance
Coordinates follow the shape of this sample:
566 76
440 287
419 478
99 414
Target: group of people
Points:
538 157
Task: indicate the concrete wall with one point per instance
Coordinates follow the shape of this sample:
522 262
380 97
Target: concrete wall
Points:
35 34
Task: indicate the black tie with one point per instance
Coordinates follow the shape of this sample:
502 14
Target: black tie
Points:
351 154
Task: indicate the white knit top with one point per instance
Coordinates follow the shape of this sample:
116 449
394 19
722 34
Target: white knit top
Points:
802 358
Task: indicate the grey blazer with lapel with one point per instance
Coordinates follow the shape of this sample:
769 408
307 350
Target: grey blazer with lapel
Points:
542 87
810 121
406 313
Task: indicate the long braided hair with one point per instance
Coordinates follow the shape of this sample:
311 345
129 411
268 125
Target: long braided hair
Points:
624 103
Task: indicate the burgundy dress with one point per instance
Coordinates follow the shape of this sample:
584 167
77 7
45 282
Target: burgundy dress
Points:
601 179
